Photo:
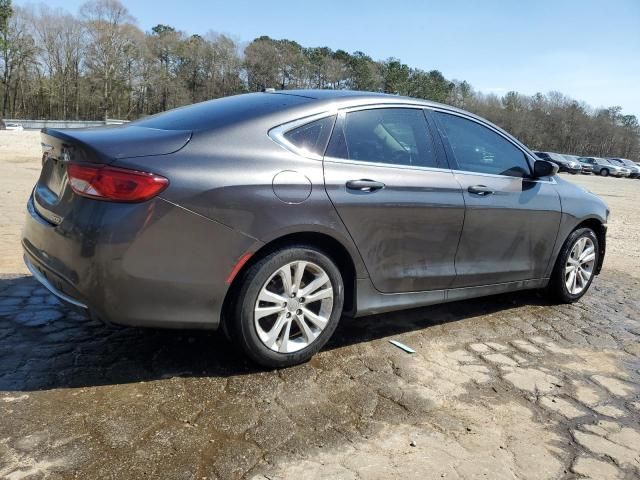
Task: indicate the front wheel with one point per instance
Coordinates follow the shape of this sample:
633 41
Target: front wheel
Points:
604 172
575 267
288 306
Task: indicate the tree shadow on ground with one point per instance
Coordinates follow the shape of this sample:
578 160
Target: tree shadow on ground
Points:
45 345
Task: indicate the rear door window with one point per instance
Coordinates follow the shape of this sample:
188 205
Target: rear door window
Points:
477 148
397 136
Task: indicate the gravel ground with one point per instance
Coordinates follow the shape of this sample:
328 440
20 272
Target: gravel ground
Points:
502 387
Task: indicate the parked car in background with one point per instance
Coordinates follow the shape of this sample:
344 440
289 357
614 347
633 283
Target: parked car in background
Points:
585 168
604 167
271 214
570 166
13 126
624 171
633 168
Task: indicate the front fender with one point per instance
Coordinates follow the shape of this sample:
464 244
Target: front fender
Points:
580 208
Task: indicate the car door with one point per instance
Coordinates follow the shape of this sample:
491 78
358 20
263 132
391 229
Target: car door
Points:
591 162
401 205
511 220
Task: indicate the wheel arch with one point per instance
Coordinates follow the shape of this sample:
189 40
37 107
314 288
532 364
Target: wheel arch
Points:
594 223
324 242
600 229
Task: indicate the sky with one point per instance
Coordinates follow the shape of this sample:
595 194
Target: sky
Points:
586 49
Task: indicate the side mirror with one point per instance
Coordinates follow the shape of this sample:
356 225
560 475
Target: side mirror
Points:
542 168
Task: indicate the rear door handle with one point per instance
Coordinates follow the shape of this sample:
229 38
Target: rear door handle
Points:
365 185
481 190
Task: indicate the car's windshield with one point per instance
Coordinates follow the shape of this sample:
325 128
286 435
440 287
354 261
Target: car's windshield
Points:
604 160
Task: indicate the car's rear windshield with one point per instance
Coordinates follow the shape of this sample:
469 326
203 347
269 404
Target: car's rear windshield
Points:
221 111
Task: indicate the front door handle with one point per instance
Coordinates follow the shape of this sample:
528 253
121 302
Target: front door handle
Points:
481 190
365 185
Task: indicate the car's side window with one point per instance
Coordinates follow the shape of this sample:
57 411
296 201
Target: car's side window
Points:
396 136
478 149
311 137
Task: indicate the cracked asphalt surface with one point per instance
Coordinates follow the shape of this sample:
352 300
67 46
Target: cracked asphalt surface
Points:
500 387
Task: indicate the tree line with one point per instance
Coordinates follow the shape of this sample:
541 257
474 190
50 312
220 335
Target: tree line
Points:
98 64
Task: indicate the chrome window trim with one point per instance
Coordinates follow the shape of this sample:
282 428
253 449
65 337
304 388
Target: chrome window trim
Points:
434 169
343 111
375 106
551 180
388 165
277 134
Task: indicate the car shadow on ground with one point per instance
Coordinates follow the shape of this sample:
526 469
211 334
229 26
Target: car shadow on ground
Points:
45 345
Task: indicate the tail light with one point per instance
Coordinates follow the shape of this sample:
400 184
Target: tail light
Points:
114 184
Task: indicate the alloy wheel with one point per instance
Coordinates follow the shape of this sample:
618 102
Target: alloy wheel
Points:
580 265
293 307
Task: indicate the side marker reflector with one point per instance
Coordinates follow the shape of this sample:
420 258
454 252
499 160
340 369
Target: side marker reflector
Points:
243 259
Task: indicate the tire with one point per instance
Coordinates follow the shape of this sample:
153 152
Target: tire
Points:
604 172
255 336
558 288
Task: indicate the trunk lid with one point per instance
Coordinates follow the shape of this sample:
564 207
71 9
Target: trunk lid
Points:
53 196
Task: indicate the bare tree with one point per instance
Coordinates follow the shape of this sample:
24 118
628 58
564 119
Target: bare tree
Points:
99 63
18 50
108 40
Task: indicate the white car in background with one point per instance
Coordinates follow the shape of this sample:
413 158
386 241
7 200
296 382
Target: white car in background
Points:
13 126
628 164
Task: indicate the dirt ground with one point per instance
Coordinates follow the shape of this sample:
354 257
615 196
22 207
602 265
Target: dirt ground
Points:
506 387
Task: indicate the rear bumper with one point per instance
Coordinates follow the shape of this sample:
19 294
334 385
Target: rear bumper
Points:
52 282
150 264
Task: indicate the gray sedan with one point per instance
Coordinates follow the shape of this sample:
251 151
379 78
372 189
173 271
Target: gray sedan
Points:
271 215
604 167
633 168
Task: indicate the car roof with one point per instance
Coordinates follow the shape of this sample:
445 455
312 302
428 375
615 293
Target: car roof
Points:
278 107
322 94
345 98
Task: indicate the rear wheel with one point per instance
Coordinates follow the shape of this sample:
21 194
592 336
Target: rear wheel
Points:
604 172
289 305
575 267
